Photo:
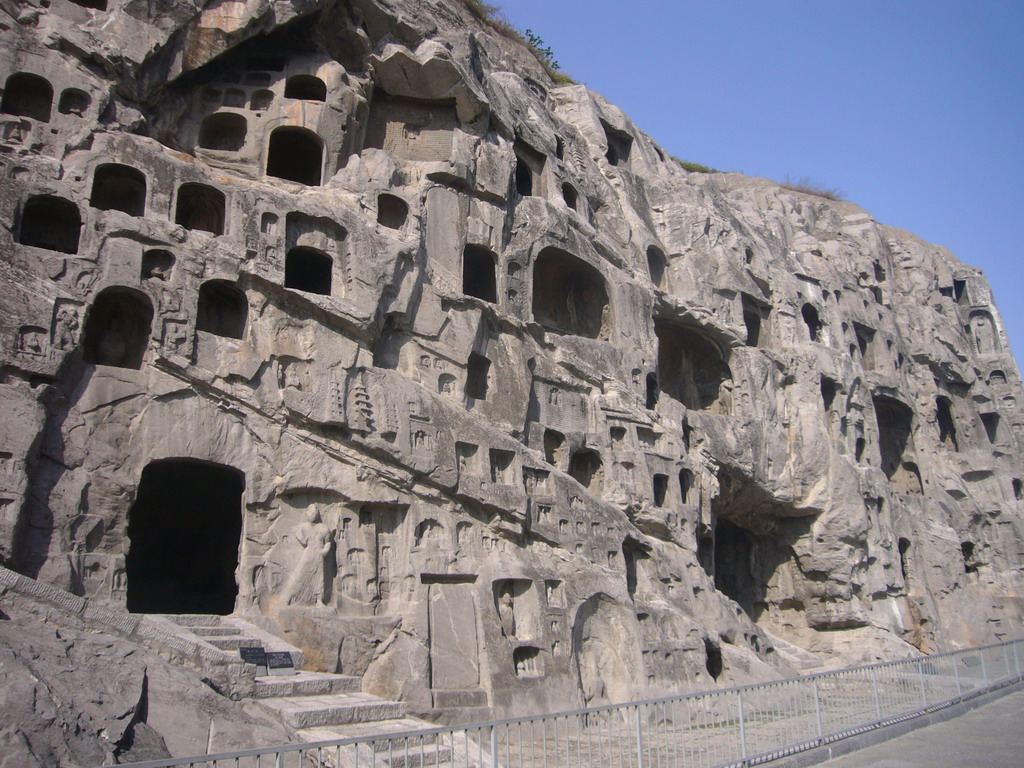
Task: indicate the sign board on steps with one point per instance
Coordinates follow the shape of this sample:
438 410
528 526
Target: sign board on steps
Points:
254 654
280 663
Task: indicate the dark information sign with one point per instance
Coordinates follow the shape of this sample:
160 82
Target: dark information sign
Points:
253 654
279 660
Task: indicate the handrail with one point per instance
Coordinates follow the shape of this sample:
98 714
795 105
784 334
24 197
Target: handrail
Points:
740 726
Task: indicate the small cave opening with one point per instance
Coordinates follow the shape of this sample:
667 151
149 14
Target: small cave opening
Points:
200 207
554 442
633 553
659 489
691 367
903 545
569 295
308 270
529 170
184 531
570 196
685 485
947 427
619 143
812 321
117 187
478 375
712 659
657 266
829 388
305 88
117 328
895 422
967 555
157 264
74 102
49 222
223 131
479 273
222 309
865 344
755 319
295 154
651 399
585 467
392 211
990 421
27 95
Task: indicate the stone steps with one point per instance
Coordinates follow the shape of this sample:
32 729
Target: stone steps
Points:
305 684
193 619
232 643
213 631
301 712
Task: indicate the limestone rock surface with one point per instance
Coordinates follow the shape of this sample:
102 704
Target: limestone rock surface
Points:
342 317
64 704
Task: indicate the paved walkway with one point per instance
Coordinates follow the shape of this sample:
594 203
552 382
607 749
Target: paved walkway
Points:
991 736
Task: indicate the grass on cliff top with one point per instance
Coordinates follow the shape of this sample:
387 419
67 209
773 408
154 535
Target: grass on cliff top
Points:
807 187
492 16
694 167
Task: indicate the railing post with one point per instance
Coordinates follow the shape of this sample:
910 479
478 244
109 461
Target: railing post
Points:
956 673
1006 660
920 677
1016 656
817 712
874 687
494 746
743 726
639 739
984 668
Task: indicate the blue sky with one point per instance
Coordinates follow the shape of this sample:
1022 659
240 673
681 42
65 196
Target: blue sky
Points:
914 110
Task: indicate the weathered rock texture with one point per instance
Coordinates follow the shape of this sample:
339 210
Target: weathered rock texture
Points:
342 317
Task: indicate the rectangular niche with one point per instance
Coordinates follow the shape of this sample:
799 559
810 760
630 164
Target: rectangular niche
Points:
412 129
502 470
528 661
518 609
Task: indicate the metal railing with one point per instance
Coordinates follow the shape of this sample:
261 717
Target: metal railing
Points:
742 726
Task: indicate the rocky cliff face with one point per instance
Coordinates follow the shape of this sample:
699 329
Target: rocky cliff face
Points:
343 317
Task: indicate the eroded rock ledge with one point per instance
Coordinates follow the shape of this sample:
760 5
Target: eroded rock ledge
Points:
342 317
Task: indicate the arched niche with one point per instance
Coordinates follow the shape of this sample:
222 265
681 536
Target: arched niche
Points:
222 309
50 222
392 211
223 131
306 88
569 295
117 187
74 102
117 328
27 95
295 154
691 367
200 207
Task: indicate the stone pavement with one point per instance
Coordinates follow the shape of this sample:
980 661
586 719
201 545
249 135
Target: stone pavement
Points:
991 736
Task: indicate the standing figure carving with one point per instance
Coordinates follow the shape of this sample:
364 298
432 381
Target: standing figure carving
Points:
311 579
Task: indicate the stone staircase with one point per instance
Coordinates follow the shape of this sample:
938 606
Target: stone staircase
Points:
315 706
318 706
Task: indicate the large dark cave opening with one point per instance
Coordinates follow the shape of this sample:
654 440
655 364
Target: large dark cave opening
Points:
752 537
184 531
